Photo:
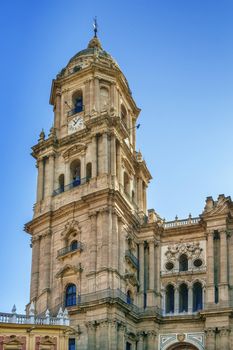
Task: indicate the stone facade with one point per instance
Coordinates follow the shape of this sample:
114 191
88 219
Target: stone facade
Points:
129 279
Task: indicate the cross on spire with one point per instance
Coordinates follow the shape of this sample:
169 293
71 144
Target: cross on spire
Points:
95 25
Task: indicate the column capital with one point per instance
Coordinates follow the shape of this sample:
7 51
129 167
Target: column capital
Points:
224 331
210 332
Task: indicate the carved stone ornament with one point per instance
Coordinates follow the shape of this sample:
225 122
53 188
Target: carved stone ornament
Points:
71 228
74 150
192 250
181 337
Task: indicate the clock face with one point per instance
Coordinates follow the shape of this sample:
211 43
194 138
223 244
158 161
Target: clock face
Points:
75 124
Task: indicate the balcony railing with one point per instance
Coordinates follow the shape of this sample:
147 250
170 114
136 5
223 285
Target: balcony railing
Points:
132 259
61 319
176 223
74 183
69 249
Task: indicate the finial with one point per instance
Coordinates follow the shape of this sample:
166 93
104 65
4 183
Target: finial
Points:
13 309
42 136
95 25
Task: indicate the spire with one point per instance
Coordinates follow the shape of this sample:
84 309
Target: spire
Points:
94 42
95 25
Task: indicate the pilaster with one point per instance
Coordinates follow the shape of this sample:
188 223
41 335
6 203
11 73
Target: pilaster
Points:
210 338
210 269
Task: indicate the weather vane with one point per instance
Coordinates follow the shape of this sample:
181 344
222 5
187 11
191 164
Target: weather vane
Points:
95 25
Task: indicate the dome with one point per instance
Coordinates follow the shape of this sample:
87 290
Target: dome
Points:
84 57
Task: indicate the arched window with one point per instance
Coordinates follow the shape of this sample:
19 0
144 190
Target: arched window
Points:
183 298
104 98
169 299
73 245
126 183
75 170
61 181
124 116
88 171
129 297
70 296
197 296
183 263
78 101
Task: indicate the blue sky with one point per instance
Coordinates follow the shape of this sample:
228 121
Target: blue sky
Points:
177 56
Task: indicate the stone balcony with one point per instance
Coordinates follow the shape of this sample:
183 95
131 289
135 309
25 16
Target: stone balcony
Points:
61 319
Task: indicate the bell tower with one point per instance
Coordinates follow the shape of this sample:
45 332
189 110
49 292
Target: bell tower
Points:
91 199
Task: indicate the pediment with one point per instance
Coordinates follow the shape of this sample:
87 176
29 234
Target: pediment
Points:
67 270
74 150
72 228
215 208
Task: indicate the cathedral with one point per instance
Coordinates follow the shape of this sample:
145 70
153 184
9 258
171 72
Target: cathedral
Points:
119 276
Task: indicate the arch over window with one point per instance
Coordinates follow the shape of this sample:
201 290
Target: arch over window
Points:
124 116
183 298
74 245
70 295
183 262
77 100
88 171
170 299
104 98
197 296
126 182
75 171
129 297
61 181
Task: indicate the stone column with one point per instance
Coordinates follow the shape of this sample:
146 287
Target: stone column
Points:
115 247
104 160
113 335
210 269
140 345
141 266
139 191
87 97
151 265
119 165
47 259
113 155
92 102
83 167
105 233
57 121
151 340
51 175
223 285
121 246
94 158
91 327
67 179
35 267
93 241
121 337
190 299
40 180
97 94
113 97
104 336
176 297
157 274
210 338
224 338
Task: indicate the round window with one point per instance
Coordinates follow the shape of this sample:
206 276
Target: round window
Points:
169 265
197 262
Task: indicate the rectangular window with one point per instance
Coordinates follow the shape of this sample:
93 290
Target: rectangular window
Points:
72 344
